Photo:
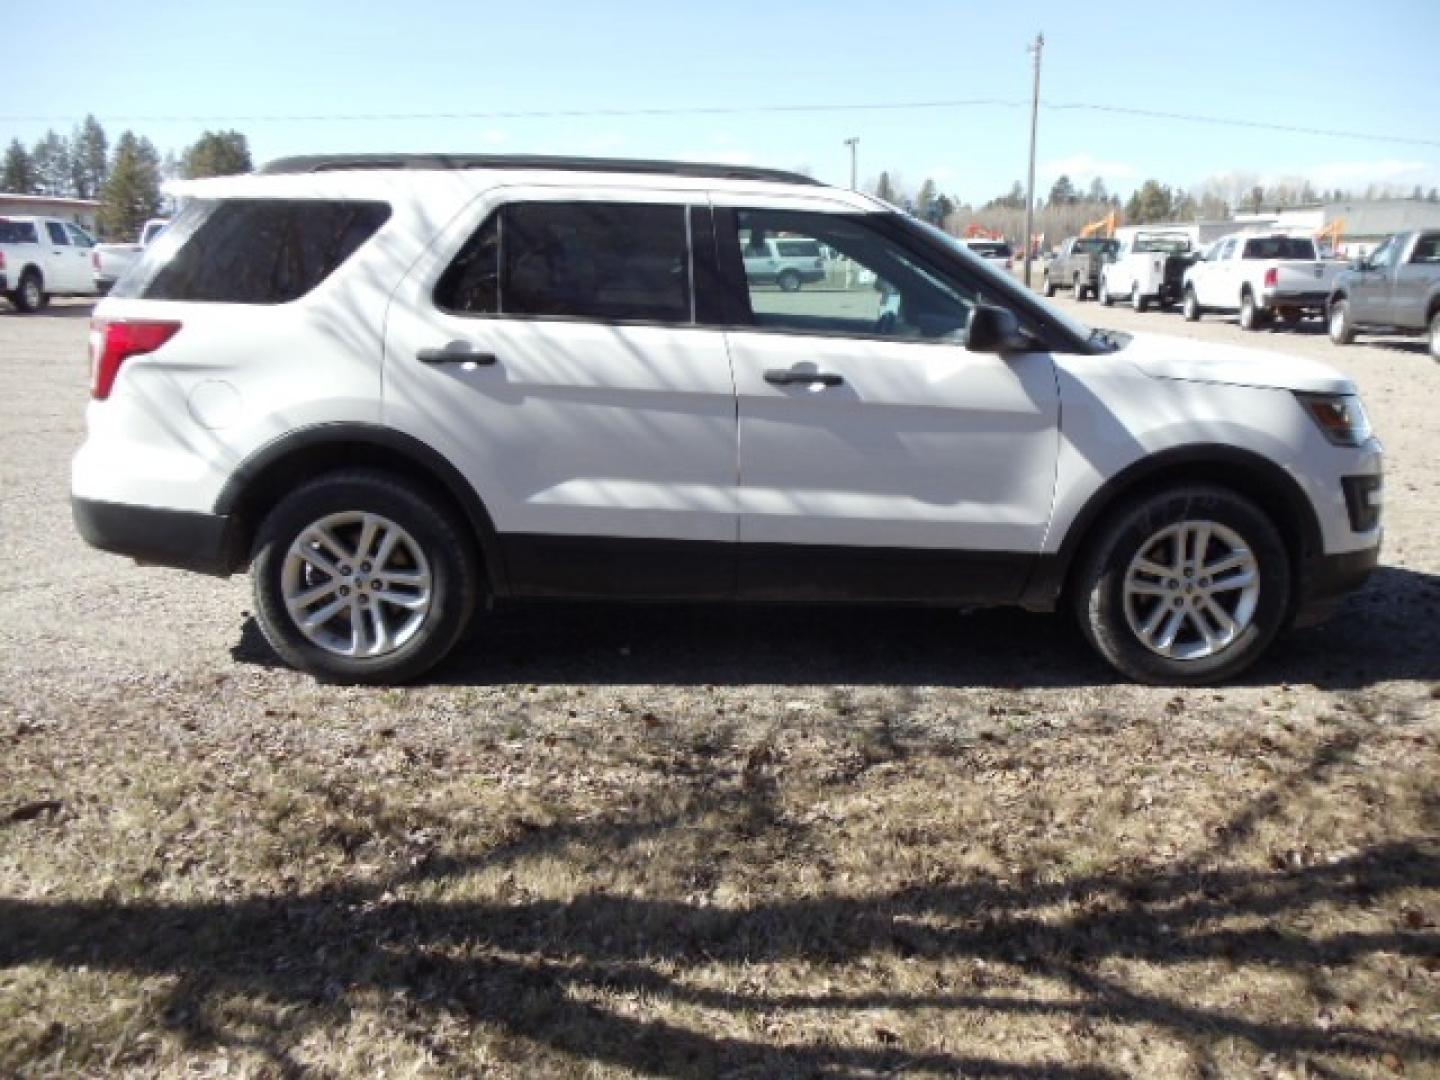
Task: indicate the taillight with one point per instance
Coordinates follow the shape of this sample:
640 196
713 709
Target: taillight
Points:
1272 277
112 342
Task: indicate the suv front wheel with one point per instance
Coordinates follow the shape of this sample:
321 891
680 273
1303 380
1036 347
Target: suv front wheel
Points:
359 578
1184 587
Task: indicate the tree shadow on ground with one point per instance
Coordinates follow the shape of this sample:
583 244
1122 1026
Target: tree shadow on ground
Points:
536 969
1389 630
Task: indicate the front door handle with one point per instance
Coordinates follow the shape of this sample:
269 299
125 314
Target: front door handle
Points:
456 352
805 376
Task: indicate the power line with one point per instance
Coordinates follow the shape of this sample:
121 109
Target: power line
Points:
732 110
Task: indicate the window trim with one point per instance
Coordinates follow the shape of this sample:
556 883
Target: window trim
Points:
497 211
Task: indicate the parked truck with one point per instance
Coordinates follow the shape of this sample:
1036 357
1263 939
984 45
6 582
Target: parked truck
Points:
1395 289
1261 277
112 260
1078 265
1147 267
42 257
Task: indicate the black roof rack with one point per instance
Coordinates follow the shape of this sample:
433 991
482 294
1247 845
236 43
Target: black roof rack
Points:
310 163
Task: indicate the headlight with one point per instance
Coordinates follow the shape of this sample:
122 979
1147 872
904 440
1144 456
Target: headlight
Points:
1340 416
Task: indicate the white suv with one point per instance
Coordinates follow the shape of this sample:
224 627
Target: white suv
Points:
395 386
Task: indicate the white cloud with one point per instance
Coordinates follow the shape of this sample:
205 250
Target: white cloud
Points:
1082 168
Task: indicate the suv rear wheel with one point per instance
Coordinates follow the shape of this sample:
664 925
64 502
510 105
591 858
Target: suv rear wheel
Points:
1435 336
789 280
358 578
1184 587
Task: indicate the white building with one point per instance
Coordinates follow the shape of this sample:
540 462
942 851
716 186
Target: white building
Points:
81 211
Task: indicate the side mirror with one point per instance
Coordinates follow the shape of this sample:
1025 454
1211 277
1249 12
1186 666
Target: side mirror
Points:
995 330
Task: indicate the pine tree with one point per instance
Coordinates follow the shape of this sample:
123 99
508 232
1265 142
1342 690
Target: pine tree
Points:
925 201
52 164
885 190
1062 192
1097 193
18 175
217 153
88 162
132 192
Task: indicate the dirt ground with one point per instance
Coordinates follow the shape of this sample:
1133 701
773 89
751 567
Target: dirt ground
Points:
686 841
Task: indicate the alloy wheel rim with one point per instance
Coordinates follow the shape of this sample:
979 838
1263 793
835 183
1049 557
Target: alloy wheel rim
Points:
1191 590
356 584
1337 321
32 293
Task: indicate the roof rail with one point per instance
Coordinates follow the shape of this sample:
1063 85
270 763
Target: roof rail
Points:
310 163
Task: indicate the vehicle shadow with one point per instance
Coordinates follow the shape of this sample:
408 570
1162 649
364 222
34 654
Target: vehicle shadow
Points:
1387 631
593 979
56 309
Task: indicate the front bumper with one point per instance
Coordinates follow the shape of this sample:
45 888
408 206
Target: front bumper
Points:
178 538
1329 579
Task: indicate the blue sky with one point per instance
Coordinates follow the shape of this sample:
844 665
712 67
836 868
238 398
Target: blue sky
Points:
1338 64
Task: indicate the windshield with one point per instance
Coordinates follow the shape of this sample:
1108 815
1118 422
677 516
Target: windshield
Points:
1091 247
1005 282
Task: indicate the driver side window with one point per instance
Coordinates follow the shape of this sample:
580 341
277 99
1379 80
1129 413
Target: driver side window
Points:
821 273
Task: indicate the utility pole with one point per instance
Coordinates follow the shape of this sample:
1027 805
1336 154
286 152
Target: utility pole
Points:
852 143
1035 51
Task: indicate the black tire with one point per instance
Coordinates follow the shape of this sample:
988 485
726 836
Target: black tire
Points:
789 281
1190 307
1138 301
1047 286
445 543
1098 597
1249 313
1078 287
29 295
1105 298
1435 337
1338 322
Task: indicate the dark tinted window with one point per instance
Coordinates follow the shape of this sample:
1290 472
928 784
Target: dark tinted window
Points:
18 232
1279 247
612 262
471 283
798 249
607 261
57 233
251 251
1427 249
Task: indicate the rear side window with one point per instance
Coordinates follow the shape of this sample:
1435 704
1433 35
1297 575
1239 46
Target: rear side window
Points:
251 251
609 262
18 232
57 233
798 249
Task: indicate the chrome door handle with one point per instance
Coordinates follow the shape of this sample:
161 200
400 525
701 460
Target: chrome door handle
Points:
802 376
456 352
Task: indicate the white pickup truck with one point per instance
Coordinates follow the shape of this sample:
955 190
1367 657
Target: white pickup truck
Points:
1260 276
42 257
112 260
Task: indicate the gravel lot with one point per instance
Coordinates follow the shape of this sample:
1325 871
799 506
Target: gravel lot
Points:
682 761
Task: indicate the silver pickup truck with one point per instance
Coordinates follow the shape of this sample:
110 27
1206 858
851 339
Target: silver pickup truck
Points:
1395 289
1078 264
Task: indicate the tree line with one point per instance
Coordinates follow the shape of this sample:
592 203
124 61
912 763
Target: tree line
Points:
1068 207
126 178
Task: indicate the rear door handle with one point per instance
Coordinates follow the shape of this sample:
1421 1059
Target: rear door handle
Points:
802 376
456 352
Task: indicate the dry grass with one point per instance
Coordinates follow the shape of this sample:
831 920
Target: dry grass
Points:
851 882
